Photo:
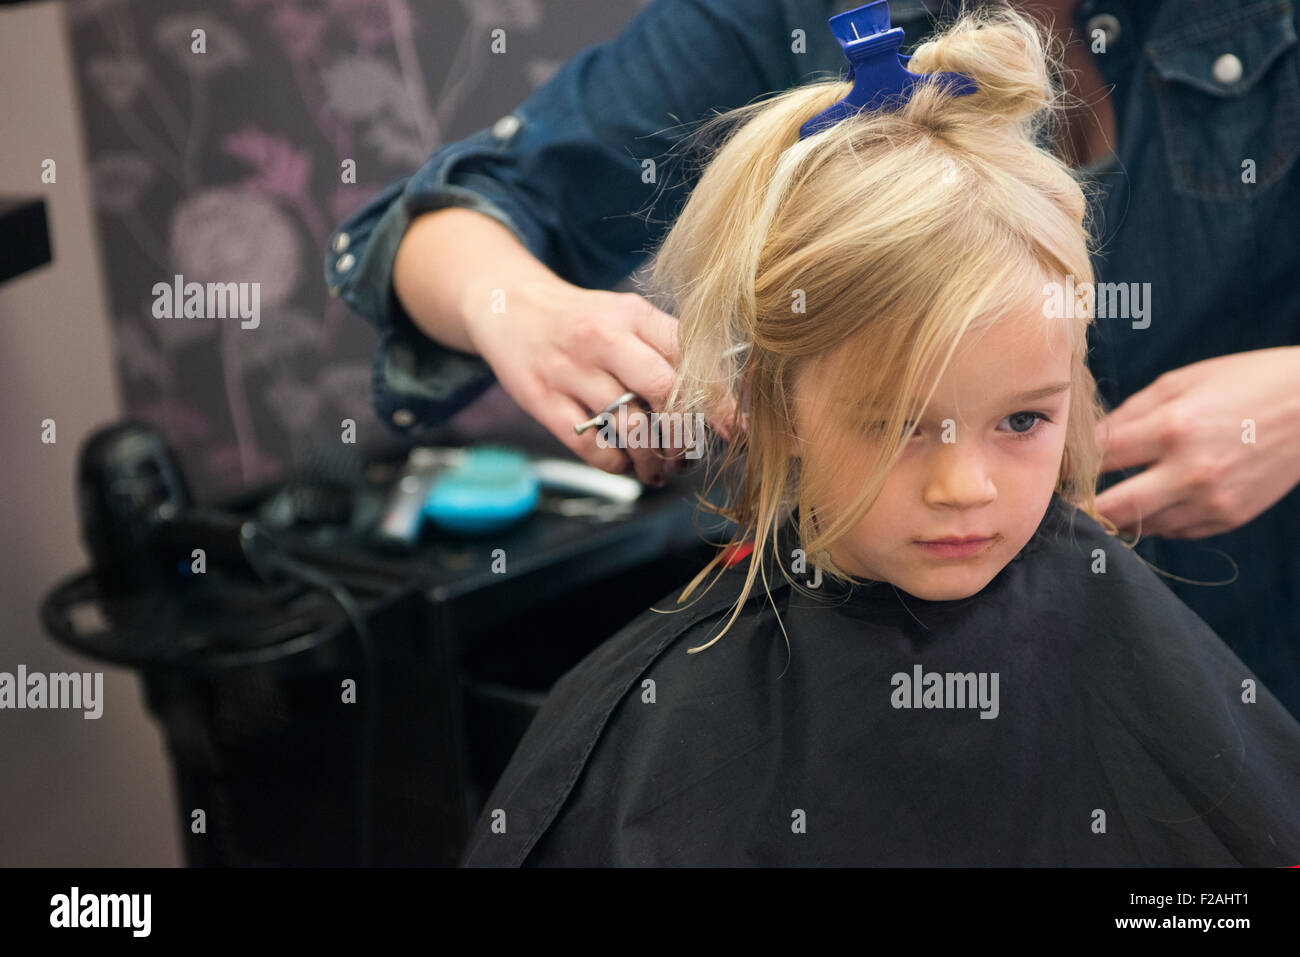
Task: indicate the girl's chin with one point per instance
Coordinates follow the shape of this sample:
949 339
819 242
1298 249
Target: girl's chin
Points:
945 584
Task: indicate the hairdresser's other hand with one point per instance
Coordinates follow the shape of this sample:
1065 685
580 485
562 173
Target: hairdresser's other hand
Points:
1220 439
564 353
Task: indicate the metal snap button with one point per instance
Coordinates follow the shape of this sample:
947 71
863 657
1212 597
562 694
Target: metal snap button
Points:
1228 69
346 262
403 417
341 242
505 127
1108 24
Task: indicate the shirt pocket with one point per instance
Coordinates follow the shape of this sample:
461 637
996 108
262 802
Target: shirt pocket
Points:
1228 91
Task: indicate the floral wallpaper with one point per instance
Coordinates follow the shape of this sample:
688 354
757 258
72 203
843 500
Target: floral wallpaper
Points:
216 133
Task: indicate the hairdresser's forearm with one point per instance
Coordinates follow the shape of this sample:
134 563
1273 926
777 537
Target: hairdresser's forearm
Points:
449 266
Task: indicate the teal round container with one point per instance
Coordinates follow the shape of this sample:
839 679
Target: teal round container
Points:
490 489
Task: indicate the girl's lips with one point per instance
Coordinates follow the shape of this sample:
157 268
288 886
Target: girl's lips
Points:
951 548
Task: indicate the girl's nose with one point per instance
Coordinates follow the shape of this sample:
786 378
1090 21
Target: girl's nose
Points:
958 477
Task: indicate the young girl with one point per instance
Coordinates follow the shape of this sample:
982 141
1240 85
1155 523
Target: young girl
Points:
950 661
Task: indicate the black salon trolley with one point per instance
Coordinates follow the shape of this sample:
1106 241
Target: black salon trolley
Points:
273 767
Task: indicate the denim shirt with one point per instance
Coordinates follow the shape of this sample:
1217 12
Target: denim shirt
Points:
1199 88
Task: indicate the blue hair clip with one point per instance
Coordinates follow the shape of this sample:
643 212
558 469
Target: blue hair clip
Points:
875 67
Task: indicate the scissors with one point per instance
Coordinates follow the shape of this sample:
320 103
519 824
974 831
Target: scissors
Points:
627 397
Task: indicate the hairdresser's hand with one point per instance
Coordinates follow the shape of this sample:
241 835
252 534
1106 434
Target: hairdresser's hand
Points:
1220 439
564 353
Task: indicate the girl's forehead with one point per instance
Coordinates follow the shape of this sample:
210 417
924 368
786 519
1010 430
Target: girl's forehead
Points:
1004 395
1016 341
1015 361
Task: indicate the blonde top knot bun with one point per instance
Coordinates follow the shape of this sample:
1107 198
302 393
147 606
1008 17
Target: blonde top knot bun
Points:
1003 51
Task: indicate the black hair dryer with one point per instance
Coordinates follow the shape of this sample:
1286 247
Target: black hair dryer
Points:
137 516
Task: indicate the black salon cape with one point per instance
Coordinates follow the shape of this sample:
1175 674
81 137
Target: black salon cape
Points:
1122 737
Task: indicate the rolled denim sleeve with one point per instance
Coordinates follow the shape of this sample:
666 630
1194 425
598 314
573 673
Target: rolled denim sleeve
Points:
566 172
416 382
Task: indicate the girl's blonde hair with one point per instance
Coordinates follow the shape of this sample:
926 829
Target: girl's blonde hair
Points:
876 245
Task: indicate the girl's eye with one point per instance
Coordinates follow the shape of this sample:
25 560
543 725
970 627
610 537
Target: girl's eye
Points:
1028 420
1022 425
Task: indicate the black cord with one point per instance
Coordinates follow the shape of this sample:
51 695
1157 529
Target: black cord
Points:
254 540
